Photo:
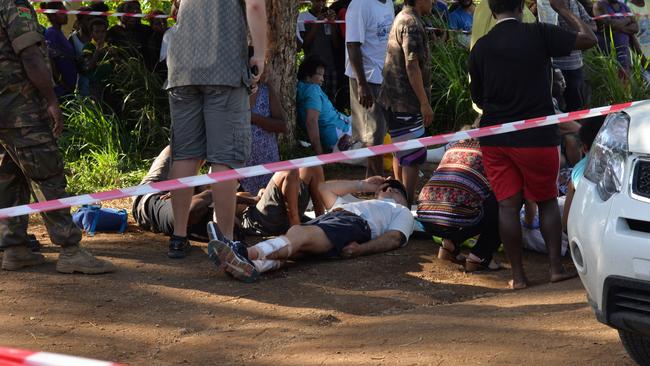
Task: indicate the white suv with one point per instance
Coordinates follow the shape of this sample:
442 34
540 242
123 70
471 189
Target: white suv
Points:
609 228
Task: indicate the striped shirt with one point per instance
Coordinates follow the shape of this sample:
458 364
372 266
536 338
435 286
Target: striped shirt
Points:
454 195
574 60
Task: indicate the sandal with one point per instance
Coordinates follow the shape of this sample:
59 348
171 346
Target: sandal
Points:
451 256
483 265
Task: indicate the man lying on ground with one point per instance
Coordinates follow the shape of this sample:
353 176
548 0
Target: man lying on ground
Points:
282 204
349 229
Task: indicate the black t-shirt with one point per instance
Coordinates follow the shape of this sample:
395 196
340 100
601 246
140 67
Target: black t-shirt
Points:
510 70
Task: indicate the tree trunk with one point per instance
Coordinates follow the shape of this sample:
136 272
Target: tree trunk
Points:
281 65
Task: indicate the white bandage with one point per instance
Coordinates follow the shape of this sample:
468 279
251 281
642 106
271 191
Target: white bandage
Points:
271 246
267 265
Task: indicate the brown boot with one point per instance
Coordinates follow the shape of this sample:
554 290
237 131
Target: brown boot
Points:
15 258
76 259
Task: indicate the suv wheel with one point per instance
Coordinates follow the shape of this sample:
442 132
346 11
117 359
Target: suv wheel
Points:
637 346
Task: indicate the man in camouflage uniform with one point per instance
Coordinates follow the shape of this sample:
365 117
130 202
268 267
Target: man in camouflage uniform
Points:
30 119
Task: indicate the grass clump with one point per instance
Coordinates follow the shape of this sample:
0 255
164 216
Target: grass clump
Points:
450 96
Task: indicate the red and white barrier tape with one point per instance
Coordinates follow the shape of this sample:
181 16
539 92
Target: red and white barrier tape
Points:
343 22
165 16
101 13
174 184
18 357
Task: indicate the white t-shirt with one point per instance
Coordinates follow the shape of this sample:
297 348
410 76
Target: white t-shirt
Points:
369 22
307 16
382 215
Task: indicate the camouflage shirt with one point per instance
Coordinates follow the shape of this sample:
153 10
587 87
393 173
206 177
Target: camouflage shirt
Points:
20 102
408 39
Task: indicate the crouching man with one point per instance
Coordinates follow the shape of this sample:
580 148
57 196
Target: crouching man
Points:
349 229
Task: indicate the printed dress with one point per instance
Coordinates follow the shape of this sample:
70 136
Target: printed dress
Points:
264 144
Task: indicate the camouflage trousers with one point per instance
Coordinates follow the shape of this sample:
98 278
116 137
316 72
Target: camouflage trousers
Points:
30 164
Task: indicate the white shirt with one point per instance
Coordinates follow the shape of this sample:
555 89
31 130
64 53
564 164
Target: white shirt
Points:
382 215
369 22
164 46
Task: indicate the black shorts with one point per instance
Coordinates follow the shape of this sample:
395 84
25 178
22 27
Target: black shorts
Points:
158 217
341 228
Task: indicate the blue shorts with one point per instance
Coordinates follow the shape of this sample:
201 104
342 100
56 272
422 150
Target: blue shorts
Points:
341 228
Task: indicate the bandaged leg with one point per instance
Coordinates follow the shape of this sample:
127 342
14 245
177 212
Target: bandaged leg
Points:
265 248
266 265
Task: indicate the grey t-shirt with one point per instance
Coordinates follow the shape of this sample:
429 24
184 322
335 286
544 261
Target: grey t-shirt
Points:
210 45
270 213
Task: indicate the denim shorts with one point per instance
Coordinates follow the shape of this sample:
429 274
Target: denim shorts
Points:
211 123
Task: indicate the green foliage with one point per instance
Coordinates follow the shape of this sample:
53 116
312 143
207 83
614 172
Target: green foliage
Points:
143 107
106 147
92 146
101 170
450 96
603 75
89 127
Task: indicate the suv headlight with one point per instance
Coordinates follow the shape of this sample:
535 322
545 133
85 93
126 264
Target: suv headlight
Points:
606 166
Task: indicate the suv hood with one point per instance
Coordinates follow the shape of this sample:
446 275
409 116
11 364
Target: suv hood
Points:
639 133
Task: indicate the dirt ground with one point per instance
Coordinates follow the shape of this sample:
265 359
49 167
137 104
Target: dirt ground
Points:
398 308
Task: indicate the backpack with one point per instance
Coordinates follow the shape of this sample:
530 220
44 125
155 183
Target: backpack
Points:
94 218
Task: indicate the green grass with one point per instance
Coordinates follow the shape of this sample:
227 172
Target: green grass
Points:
451 100
602 72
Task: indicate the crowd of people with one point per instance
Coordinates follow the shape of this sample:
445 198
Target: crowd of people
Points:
82 62
376 65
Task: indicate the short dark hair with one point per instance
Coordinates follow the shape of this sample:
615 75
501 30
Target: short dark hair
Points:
504 6
309 66
589 130
410 2
125 5
98 7
395 184
57 5
97 22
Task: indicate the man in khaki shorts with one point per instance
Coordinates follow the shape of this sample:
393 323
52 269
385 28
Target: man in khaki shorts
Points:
208 81
366 51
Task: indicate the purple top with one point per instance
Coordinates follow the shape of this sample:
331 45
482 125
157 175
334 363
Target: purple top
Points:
61 54
621 39
264 144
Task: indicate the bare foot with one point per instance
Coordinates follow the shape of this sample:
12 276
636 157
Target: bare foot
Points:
517 285
563 276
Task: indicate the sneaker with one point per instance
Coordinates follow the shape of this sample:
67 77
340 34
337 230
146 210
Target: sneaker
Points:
214 233
77 259
15 258
178 247
232 257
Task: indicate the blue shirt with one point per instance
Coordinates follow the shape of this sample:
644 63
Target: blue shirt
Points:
578 171
460 19
311 96
63 59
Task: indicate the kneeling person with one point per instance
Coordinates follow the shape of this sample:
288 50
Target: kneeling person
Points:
349 229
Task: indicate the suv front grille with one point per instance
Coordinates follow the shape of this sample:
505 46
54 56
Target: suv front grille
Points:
632 300
641 183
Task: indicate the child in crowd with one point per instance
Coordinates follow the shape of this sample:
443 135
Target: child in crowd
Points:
588 133
96 66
